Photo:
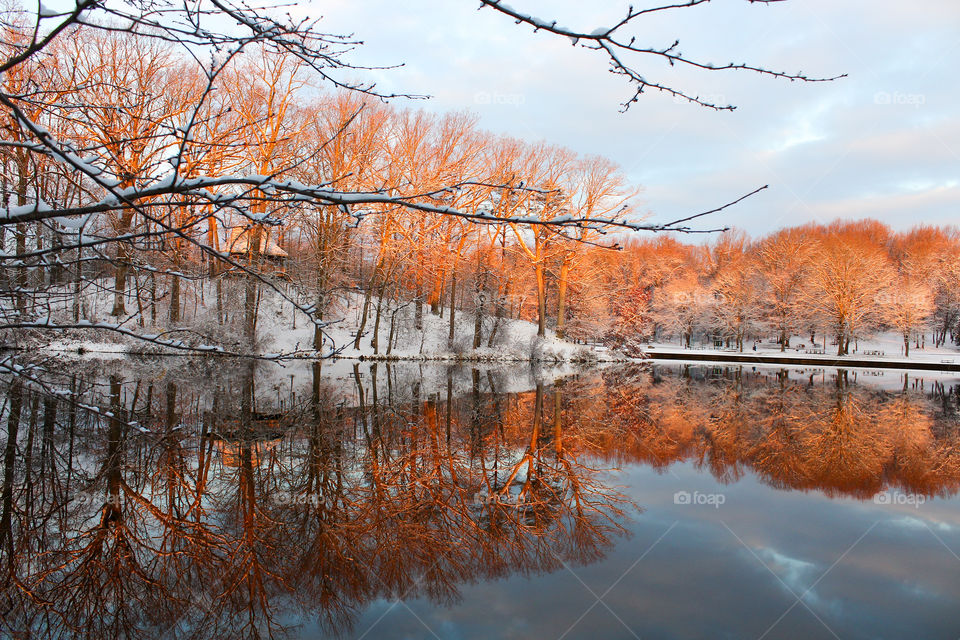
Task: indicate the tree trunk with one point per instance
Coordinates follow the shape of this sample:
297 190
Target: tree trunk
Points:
139 298
21 234
77 284
123 261
4 201
375 341
436 294
250 301
480 289
363 316
562 298
220 318
39 275
321 306
393 324
453 305
321 283
418 309
541 301
317 319
213 239
174 299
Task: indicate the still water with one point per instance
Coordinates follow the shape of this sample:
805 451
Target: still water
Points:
220 499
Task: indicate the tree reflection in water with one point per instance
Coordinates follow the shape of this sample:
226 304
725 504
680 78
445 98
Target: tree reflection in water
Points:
820 431
210 501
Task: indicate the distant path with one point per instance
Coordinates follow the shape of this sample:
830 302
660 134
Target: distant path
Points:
825 361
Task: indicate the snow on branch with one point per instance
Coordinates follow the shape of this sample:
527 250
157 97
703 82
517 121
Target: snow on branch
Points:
292 192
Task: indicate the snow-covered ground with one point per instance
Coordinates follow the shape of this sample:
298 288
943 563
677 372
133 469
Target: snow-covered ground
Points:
886 347
514 340
873 377
281 329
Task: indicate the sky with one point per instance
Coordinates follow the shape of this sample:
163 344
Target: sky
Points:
882 143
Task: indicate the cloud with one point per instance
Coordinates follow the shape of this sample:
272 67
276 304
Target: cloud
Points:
883 142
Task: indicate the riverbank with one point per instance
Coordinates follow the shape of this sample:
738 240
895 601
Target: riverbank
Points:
929 362
285 333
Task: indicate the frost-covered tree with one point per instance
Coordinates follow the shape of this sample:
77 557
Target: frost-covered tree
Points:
850 273
783 261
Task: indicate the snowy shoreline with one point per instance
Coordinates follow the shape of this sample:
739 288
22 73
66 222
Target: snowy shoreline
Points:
860 362
573 354
101 350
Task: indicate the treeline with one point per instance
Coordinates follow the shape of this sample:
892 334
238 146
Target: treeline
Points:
836 282
424 225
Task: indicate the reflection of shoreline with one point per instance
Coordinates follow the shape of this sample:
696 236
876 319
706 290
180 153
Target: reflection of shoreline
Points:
819 432
846 362
243 502
322 492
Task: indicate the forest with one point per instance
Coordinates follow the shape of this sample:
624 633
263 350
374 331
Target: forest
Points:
177 201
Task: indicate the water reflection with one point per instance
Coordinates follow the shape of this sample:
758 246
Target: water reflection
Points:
203 500
166 506
816 431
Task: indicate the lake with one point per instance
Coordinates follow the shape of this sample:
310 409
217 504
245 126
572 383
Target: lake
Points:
182 498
